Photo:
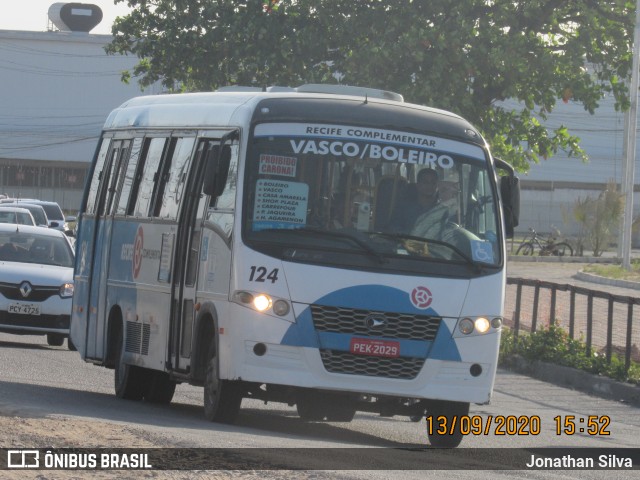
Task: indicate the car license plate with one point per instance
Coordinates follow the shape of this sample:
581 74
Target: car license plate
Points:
376 348
24 308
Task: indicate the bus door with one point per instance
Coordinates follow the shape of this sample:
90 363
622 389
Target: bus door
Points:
187 247
97 255
192 248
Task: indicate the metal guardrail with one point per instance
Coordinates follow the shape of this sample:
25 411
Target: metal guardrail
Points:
603 319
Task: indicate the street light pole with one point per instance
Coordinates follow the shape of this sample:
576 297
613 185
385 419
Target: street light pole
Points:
630 146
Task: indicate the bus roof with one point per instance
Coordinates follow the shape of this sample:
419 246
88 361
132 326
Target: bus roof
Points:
233 107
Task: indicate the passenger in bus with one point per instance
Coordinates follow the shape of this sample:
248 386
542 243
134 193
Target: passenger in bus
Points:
421 213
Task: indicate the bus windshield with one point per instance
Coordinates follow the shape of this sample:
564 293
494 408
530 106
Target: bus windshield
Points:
361 197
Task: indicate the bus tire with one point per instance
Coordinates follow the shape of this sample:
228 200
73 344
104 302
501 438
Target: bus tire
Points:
160 388
222 398
129 380
448 410
55 339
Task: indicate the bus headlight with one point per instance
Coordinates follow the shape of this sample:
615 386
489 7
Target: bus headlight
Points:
465 326
280 307
482 325
478 325
262 302
66 290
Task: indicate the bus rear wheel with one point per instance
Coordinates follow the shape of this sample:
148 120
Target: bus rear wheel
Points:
222 398
160 388
447 410
129 380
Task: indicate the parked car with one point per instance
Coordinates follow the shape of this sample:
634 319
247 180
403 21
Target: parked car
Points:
55 214
38 213
36 282
17 215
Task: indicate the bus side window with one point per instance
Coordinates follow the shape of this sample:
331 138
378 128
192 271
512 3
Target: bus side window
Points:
97 176
167 206
128 179
161 178
152 156
120 158
109 177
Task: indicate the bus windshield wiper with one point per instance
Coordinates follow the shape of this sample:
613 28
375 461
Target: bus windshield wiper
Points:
335 234
399 236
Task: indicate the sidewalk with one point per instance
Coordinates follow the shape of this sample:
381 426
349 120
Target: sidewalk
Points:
570 273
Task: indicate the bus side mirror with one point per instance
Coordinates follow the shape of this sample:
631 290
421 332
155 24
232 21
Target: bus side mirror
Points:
510 194
217 170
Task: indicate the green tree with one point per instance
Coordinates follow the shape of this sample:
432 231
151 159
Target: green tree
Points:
599 219
467 56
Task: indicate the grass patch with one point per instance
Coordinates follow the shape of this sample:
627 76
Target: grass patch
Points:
553 345
615 271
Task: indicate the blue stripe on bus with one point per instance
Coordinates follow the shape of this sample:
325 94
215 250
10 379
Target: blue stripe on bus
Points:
371 297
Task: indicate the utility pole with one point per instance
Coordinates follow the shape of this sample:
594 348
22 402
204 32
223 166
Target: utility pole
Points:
630 146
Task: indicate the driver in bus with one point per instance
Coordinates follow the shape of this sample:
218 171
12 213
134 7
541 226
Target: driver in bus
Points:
422 214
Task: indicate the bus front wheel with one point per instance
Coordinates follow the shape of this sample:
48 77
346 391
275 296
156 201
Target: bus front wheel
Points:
222 398
441 411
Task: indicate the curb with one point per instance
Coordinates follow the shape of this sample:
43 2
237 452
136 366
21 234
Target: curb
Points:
576 379
590 277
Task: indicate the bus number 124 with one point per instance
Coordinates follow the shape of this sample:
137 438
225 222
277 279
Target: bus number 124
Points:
259 274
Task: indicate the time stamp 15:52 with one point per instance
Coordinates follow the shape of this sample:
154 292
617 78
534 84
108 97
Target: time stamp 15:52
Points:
594 425
591 425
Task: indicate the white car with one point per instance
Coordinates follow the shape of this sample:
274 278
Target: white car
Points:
18 215
38 213
36 282
54 213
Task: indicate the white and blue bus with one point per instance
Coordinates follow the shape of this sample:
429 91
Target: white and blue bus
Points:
247 241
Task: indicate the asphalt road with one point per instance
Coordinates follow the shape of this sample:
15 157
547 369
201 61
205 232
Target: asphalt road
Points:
40 381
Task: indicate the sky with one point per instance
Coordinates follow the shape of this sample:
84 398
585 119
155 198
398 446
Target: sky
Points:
31 15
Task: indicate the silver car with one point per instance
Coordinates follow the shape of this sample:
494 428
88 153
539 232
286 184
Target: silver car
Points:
36 282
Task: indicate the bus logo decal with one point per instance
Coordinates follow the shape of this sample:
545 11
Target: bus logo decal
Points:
375 321
137 252
421 297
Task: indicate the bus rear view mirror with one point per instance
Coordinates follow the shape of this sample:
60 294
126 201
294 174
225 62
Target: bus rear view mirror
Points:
510 193
217 170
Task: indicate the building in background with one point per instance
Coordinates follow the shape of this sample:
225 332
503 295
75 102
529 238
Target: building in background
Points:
57 88
552 187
